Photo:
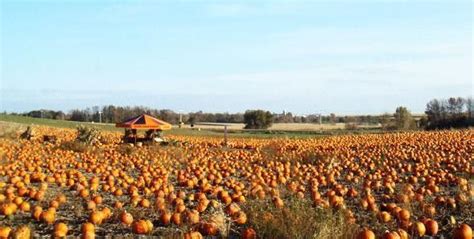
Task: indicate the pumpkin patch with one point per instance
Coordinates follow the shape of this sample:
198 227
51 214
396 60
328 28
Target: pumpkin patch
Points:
394 185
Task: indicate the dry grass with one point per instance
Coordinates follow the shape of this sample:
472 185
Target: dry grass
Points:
298 219
10 130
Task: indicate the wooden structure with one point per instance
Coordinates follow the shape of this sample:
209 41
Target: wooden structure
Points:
146 122
216 124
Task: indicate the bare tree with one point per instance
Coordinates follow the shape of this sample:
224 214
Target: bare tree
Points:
403 118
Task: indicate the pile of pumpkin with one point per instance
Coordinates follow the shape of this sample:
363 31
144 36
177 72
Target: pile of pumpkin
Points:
391 185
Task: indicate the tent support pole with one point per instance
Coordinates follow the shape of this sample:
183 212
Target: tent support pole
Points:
225 135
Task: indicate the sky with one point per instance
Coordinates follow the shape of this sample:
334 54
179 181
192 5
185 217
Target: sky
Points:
343 57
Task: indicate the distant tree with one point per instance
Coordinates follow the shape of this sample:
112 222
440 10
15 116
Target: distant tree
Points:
191 120
449 113
385 121
434 110
78 115
469 107
285 117
423 122
351 122
455 106
332 118
403 118
59 115
258 119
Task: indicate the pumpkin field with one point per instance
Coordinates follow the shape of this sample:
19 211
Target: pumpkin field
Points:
392 185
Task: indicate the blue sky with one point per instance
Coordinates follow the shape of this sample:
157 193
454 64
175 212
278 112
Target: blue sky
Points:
347 57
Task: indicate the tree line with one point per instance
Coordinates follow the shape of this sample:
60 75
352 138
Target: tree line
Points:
449 113
113 114
454 112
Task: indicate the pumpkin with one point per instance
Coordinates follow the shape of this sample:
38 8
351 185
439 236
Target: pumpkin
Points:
240 218
176 218
462 232
22 232
5 232
36 213
384 216
96 217
431 227
402 233
8 209
25 206
278 202
192 217
248 233
366 234
165 218
390 235
404 215
88 228
60 230
48 216
140 227
208 229
193 235
126 218
418 228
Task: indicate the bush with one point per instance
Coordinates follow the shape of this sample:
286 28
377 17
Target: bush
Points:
87 135
258 119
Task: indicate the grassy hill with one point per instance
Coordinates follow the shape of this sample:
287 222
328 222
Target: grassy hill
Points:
53 123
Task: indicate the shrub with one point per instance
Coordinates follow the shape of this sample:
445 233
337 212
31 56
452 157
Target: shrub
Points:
87 135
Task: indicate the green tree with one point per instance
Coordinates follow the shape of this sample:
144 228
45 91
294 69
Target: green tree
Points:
403 118
258 119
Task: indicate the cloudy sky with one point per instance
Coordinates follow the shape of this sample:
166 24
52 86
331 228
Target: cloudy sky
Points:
347 57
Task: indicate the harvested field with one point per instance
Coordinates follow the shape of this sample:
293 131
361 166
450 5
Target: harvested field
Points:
330 187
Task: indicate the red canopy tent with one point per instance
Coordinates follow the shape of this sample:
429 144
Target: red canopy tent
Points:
144 121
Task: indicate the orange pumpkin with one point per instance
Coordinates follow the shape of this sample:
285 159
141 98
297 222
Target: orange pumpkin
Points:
140 227
193 235
431 227
248 233
88 231
48 216
5 232
60 230
176 218
126 218
366 234
464 231
390 235
96 217
22 232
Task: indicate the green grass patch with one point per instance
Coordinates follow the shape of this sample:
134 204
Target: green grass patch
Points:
189 132
54 123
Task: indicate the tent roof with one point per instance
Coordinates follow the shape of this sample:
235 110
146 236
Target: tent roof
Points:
144 121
